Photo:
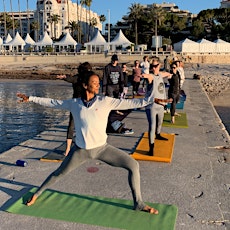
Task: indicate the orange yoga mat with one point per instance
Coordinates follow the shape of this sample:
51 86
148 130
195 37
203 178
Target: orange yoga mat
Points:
163 150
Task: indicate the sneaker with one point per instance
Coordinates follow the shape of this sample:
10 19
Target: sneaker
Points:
127 131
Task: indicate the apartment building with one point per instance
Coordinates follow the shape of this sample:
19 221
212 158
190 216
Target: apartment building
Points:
225 4
67 11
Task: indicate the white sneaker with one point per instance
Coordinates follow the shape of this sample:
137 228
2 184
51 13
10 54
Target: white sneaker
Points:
128 131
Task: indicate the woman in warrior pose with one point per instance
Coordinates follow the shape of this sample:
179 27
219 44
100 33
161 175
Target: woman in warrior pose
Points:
90 113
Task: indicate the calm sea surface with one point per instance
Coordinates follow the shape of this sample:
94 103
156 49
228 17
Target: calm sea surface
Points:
22 121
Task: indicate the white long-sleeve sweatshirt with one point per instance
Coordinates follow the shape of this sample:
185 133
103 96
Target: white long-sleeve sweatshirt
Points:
91 122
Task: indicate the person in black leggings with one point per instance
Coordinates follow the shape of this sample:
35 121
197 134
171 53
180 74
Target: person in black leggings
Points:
85 66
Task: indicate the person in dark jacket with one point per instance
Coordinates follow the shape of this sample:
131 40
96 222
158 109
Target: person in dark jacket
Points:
77 91
113 86
113 79
174 90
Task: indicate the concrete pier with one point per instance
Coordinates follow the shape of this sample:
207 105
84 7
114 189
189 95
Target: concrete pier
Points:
197 179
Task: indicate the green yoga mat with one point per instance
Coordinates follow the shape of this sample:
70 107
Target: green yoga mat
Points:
92 210
180 121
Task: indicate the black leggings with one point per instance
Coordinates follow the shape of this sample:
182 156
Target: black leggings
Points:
136 86
175 98
70 129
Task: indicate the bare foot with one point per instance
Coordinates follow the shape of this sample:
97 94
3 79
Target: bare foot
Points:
150 210
31 200
173 120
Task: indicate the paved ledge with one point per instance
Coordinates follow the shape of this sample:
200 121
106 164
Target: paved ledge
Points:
197 180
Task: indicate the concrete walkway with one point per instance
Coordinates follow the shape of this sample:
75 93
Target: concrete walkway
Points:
197 180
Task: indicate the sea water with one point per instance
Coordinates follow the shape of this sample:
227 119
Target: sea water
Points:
22 121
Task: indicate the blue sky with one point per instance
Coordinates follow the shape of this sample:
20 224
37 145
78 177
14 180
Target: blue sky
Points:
117 8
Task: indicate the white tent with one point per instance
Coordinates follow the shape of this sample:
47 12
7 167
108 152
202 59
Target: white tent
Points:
67 43
119 41
186 46
7 39
29 42
45 41
16 44
207 46
222 46
98 44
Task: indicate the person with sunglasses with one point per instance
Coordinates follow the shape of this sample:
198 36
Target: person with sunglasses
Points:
155 111
174 90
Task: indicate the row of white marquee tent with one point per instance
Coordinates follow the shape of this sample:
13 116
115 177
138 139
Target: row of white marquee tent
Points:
202 46
97 44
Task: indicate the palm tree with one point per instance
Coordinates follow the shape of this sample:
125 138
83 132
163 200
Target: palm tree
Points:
83 3
35 27
78 23
28 19
12 16
73 26
68 11
156 16
54 20
4 6
102 19
80 29
20 20
93 23
135 13
88 4
6 20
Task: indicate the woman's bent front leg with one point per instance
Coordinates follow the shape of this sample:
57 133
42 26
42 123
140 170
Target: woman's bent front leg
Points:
74 159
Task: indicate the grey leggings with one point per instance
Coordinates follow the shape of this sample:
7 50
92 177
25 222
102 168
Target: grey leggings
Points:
106 153
155 116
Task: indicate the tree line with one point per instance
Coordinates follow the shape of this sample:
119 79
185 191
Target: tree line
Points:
146 22
143 24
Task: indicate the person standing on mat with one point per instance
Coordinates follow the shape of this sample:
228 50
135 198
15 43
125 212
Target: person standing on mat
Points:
155 111
125 75
145 65
136 77
113 86
85 66
174 90
90 113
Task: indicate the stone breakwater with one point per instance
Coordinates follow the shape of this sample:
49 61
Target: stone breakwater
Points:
215 79
216 85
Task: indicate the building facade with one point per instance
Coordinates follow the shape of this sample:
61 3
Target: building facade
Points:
66 12
225 4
